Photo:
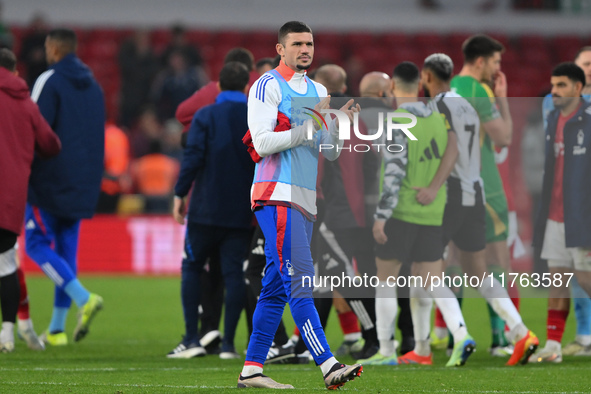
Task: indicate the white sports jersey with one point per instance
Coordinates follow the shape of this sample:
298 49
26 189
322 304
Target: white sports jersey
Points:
464 183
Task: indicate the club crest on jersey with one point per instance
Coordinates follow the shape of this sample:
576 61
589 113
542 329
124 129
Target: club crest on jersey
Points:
578 149
289 267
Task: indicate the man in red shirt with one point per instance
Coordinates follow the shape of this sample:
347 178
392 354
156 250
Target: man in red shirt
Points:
207 94
565 209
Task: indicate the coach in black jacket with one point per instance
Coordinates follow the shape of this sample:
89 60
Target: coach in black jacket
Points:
219 215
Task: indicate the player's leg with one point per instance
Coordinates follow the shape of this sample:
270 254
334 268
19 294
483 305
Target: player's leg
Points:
190 298
357 243
40 235
212 301
9 298
26 331
200 243
497 259
233 250
581 346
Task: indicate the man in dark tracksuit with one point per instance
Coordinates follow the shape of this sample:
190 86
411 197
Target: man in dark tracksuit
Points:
220 218
65 189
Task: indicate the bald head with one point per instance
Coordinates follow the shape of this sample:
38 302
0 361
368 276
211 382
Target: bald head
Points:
332 77
375 84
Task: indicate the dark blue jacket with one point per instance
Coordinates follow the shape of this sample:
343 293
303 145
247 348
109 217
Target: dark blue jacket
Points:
72 102
576 181
218 162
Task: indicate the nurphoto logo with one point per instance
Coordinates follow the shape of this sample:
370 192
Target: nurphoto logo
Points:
345 129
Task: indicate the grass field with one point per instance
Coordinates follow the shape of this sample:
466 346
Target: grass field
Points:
142 321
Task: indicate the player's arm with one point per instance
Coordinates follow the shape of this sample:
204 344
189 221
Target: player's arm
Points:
426 195
193 159
263 103
47 143
46 97
394 173
500 129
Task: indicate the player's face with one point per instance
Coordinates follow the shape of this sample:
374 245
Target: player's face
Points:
50 51
425 82
564 91
584 61
491 66
297 51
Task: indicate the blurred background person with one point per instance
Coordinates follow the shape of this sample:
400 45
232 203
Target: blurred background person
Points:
138 66
32 53
23 132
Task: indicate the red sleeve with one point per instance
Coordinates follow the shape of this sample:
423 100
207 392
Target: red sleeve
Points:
204 96
47 143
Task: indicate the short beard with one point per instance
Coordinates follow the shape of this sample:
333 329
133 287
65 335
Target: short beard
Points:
303 68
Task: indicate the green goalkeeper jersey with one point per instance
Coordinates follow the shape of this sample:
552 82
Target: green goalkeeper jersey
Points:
483 100
414 166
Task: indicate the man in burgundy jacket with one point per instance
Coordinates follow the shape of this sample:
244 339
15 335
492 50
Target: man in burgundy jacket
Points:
23 131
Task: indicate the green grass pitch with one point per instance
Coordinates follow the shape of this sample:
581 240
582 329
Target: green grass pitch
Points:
142 321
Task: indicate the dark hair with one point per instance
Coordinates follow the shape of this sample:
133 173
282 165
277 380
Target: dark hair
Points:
441 65
234 76
292 27
66 38
264 61
584 49
240 55
407 72
480 45
7 59
571 71
276 61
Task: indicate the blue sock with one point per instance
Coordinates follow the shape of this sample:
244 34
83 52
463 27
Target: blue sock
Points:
77 292
582 308
58 319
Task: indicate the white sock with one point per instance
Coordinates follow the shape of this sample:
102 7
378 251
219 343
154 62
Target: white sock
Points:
516 333
249 370
498 298
420 308
354 336
7 333
386 310
327 365
450 309
25 324
584 340
554 346
441 332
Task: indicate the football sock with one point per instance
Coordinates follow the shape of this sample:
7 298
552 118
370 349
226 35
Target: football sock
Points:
326 366
23 306
450 309
499 300
58 319
420 308
582 309
77 292
250 368
497 325
555 326
386 310
348 322
9 297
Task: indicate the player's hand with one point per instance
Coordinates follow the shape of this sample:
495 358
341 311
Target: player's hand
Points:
425 195
350 111
500 84
179 209
378 231
323 104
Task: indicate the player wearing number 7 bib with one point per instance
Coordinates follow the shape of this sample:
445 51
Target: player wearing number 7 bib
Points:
464 216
